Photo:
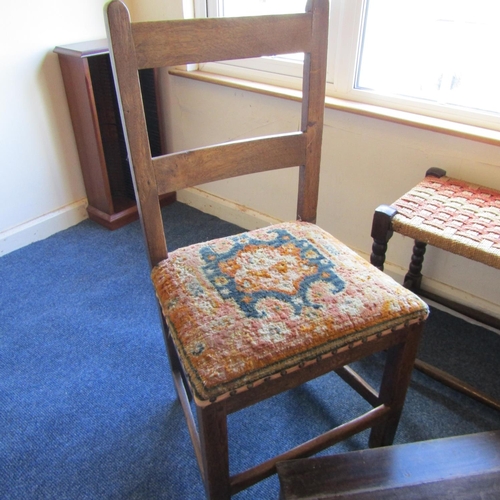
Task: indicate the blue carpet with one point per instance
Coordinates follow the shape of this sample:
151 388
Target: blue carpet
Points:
87 405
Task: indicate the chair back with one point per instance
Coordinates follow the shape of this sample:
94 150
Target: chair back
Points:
135 46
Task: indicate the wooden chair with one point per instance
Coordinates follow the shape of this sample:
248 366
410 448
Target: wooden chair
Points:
250 316
456 216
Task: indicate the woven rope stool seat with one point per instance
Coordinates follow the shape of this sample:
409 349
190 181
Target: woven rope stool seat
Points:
250 307
456 216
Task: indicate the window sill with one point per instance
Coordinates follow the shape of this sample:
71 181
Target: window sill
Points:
464 131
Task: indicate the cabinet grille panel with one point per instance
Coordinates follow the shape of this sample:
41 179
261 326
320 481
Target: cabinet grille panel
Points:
148 89
113 139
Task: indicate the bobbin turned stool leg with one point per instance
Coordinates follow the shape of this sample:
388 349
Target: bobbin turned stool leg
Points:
381 234
413 277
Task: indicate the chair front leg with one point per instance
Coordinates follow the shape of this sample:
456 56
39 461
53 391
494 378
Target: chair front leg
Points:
212 423
394 386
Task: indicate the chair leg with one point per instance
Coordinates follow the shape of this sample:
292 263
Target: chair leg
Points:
212 423
394 385
175 363
381 234
413 277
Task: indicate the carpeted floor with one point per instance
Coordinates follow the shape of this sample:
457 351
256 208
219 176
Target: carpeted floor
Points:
87 405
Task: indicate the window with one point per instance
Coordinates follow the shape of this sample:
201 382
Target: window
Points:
232 8
433 57
437 53
282 70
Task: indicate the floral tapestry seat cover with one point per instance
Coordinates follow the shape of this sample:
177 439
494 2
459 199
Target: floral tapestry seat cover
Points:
245 308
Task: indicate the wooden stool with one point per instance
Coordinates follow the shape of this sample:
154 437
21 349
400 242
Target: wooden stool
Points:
448 469
453 215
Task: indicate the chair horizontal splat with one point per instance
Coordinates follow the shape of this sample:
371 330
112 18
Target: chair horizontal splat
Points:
173 43
184 169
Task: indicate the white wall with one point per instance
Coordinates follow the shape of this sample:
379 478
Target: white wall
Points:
152 10
365 162
41 188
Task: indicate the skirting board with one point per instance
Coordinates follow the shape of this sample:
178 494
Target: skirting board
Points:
225 209
42 227
446 292
251 219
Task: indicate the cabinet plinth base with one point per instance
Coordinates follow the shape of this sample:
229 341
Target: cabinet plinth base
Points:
124 215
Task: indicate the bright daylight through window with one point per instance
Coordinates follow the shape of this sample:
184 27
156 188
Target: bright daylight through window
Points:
435 57
437 50
230 8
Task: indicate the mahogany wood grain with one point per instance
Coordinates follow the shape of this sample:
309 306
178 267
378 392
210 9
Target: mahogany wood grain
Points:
463 467
80 95
394 385
457 384
362 387
212 421
91 97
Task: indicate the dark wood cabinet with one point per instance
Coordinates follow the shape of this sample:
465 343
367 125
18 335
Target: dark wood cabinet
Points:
93 106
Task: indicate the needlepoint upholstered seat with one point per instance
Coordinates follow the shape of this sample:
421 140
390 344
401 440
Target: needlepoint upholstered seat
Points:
263 303
249 316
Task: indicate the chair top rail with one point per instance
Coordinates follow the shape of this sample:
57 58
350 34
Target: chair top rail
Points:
173 43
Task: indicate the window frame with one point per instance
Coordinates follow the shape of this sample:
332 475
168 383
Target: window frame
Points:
344 45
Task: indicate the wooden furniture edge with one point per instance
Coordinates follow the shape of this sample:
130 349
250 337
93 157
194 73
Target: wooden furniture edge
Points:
391 468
